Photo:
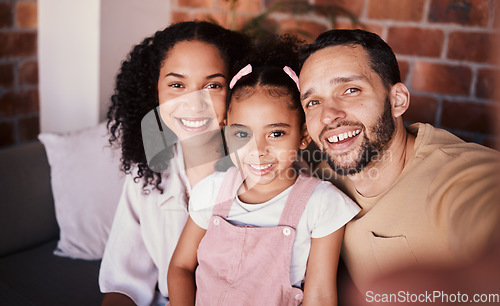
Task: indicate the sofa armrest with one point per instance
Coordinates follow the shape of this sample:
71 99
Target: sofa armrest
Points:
27 216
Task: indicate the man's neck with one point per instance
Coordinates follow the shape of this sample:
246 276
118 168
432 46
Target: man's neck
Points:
379 175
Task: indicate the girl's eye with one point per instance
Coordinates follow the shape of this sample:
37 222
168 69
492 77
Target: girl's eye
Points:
277 134
352 90
175 85
312 103
241 134
213 86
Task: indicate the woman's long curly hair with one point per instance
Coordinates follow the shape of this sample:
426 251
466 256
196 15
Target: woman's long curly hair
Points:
136 88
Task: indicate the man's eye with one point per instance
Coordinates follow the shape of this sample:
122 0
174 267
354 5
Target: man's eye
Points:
352 90
312 103
277 134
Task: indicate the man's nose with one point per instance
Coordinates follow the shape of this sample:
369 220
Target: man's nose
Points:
331 112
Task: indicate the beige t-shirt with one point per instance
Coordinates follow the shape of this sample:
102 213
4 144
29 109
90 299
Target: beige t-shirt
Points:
440 211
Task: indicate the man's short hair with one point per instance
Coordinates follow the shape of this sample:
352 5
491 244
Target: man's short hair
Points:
381 58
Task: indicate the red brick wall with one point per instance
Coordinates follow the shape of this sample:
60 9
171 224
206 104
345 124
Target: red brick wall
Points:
443 47
19 106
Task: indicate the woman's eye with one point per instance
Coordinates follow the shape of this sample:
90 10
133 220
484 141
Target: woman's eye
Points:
352 90
213 86
312 103
277 134
175 85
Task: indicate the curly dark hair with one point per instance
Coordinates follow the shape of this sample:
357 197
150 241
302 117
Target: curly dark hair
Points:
268 57
136 88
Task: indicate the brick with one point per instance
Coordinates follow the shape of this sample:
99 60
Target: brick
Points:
180 16
355 7
17 44
222 20
370 27
422 109
29 128
242 6
471 46
15 103
217 18
468 116
404 68
305 30
496 20
409 41
269 3
6 134
6 13
464 12
28 73
402 10
27 16
7 75
440 78
197 3
487 80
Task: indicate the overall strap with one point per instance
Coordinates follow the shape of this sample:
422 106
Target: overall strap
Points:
297 200
230 185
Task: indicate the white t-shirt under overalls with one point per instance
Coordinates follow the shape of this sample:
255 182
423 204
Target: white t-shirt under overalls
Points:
327 210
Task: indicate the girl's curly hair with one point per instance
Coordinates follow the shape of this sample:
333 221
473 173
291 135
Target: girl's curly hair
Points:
136 88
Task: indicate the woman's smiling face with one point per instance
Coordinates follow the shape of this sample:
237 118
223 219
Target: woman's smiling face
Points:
192 89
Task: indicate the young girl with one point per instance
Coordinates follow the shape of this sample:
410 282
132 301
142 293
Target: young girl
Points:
183 71
261 233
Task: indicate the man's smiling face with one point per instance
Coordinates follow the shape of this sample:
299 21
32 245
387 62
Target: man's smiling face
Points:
347 107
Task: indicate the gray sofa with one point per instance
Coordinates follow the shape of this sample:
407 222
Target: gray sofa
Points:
29 272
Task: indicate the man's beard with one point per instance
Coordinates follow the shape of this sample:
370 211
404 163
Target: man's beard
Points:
369 150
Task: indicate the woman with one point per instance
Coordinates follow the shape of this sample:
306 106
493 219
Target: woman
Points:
181 75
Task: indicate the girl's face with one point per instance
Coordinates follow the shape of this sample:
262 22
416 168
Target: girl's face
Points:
192 89
264 135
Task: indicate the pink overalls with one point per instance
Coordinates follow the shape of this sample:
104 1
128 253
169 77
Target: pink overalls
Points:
248 265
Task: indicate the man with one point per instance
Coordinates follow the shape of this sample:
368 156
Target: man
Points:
427 197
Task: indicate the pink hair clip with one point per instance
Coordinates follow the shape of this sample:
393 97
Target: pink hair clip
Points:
244 71
292 75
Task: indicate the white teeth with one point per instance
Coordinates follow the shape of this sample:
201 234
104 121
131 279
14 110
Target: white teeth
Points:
194 124
260 167
343 136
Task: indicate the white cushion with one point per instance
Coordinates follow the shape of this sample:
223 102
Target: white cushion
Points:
86 185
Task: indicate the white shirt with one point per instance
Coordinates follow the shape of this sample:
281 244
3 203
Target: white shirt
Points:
327 210
144 235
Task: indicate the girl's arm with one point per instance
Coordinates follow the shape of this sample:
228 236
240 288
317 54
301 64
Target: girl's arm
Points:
320 286
181 279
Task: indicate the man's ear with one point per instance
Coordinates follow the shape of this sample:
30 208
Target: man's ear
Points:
306 139
400 99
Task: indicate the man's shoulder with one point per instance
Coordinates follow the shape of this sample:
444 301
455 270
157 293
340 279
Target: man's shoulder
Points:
431 140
